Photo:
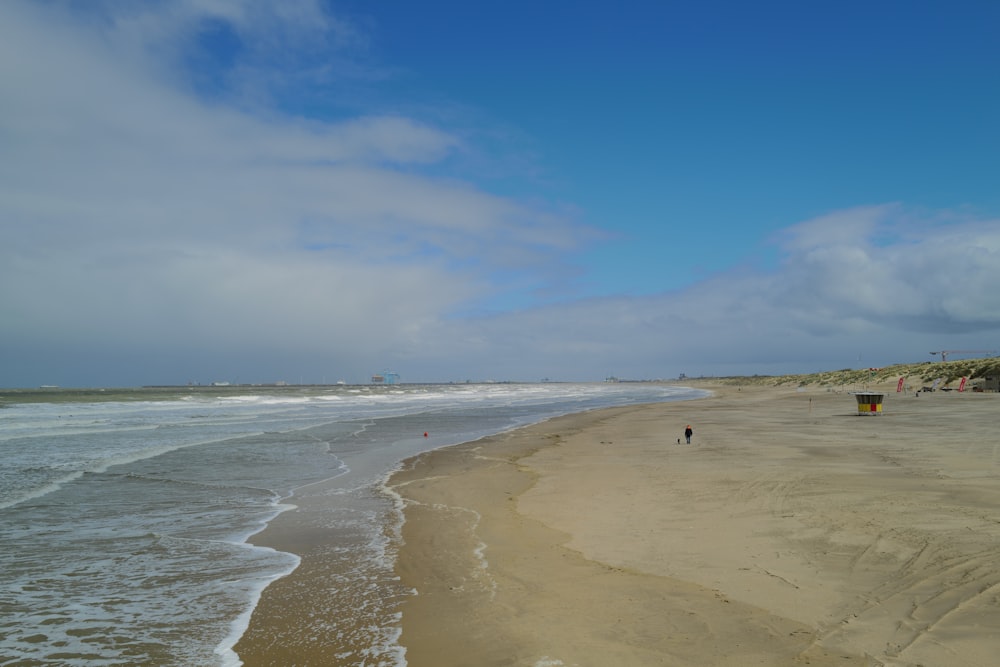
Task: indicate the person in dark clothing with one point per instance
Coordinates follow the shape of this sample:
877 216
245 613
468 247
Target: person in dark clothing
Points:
688 432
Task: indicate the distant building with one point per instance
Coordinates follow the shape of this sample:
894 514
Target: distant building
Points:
991 383
387 377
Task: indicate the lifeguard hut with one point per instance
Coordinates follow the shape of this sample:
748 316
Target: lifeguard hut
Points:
869 402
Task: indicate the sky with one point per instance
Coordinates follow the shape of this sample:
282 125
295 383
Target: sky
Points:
197 191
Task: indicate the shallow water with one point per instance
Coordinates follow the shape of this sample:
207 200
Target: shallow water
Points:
124 524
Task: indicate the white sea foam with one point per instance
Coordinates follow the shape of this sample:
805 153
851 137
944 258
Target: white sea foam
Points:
239 625
132 518
39 491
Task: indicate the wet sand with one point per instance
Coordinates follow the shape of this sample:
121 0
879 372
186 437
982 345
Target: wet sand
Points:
792 531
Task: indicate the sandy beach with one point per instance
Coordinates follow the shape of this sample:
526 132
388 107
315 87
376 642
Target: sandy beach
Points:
792 531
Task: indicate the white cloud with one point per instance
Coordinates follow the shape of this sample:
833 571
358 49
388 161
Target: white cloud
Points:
137 216
935 277
132 210
837 300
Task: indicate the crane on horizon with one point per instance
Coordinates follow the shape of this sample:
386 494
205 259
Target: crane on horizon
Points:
944 353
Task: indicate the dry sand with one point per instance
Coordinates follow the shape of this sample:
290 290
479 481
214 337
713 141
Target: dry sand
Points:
791 532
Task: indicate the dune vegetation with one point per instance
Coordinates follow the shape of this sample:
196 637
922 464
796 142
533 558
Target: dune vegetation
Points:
917 375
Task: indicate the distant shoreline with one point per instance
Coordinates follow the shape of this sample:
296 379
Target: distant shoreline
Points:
914 374
55 394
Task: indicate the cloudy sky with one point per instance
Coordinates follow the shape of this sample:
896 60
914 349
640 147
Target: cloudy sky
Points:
316 190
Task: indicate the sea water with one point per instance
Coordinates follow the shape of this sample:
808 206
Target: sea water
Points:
124 525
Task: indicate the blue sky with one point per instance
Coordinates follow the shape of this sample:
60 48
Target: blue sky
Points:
249 191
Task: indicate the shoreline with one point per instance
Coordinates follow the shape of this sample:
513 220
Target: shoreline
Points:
342 604
792 531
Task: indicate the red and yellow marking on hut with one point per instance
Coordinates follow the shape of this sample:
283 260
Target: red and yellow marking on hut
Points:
869 402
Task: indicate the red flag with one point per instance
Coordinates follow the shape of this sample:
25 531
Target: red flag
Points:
961 385
899 385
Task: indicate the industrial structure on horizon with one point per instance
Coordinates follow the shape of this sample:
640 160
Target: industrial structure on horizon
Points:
944 353
387 377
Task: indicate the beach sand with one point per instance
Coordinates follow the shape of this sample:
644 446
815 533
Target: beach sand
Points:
792 531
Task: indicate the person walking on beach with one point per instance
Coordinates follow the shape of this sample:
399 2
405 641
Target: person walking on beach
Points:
688 432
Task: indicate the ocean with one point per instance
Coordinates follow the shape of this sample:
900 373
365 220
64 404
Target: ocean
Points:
124 523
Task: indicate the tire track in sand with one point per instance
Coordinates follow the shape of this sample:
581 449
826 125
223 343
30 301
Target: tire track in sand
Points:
919 616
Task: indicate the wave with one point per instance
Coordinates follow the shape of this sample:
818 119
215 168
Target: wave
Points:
41 491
